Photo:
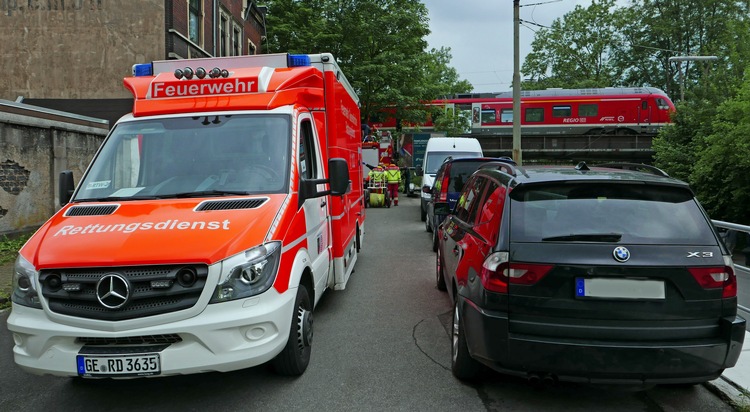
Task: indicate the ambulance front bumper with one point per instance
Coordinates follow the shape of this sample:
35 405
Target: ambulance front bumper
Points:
223 337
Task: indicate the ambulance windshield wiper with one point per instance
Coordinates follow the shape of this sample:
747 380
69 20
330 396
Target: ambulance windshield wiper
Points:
208 193
116 198
585 237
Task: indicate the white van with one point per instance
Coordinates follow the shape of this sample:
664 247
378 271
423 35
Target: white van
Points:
438 149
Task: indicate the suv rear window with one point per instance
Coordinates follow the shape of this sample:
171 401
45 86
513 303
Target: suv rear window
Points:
639 213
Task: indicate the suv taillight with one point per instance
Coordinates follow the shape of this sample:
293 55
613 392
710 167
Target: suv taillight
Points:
443 195
497 273
717 277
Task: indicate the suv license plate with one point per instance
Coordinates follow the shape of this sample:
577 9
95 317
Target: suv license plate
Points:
146 364
619 288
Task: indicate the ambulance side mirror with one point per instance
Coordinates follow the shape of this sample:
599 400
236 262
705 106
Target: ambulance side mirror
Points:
338 182
338 176
418 171
66 186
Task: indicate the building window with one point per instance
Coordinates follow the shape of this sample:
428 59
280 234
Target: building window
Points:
195 21
251 48
237 41
223 33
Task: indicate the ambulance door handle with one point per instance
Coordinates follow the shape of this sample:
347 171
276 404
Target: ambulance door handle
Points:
323 204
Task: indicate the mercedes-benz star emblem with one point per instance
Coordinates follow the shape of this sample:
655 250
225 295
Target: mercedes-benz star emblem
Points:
621 254
112 291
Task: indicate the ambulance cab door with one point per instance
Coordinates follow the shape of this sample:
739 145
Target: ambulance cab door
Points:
317 219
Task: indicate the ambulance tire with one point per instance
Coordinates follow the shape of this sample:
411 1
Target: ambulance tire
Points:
294 358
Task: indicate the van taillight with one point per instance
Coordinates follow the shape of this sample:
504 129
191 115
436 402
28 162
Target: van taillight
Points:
443 195
497 273
717 277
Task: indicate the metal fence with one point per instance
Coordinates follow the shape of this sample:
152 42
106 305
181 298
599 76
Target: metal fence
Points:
737 239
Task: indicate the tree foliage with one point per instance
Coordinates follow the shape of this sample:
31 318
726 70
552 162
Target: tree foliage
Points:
379 44
605 45
575 52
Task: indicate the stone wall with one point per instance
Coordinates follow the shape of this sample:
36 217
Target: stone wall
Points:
35 146
76 49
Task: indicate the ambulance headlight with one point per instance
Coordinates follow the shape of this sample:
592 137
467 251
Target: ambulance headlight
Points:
200 72
214 73
24 284
250 273
187 72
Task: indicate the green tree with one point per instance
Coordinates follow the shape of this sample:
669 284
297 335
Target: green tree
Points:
379 44
575 51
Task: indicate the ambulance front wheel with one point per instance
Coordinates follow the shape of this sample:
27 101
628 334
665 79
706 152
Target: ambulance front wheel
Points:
293 360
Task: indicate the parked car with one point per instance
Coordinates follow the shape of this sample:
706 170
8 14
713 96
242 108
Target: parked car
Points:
597 275
449 181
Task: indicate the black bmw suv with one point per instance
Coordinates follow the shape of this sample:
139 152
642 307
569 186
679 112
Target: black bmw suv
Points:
598 275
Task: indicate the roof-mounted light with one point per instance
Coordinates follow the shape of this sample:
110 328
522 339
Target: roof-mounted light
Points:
143 69
297 60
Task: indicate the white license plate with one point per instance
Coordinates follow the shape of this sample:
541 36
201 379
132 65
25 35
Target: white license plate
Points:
620 288
146 364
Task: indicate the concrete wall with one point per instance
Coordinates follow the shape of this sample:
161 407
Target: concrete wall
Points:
76 48
35 146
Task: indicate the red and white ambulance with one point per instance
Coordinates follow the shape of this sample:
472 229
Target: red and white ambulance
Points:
206 228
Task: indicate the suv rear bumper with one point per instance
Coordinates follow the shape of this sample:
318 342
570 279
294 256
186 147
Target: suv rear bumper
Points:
604 362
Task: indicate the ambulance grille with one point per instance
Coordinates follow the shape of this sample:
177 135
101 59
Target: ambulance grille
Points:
98 210
150 291
232 204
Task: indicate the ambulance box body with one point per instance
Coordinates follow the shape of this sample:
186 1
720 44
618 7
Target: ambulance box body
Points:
206 228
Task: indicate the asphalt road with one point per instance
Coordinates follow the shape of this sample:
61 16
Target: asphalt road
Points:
380 345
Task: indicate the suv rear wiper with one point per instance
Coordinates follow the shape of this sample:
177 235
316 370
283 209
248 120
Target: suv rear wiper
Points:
585 237
207 193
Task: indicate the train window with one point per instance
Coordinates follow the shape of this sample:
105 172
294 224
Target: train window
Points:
535 114
488 116
644 105
506 116
561 111
587 110
662 104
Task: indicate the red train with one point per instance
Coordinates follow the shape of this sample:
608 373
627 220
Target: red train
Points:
562 112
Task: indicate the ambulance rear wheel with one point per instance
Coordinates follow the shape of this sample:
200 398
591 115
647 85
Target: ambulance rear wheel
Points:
293 360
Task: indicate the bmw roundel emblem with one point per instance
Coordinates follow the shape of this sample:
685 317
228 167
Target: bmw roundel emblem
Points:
621 254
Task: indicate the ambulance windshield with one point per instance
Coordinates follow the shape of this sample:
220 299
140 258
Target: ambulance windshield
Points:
214 155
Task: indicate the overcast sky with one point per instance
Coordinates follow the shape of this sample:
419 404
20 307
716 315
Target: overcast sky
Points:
480 35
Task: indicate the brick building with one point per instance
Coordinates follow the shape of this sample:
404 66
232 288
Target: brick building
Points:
69 54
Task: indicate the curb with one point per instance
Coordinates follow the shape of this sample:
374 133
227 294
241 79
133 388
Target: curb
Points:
730 392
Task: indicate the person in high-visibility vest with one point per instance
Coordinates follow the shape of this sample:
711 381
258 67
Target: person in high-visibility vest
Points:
392 178
376 175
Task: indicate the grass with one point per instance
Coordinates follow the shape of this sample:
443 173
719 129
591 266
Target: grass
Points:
9 247
8 251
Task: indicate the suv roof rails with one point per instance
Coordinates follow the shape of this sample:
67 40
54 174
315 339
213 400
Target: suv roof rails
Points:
505 165
639 167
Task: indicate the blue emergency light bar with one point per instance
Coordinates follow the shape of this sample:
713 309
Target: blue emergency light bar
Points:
292 60
143 69
298 60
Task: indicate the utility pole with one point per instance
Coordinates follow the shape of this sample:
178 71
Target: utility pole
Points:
517 156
